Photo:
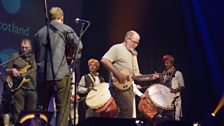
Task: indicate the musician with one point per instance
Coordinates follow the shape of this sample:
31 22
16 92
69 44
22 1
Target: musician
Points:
174 80
87 82
123 56
53 66
24 98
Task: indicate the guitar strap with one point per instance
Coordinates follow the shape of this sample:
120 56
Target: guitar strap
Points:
134 54
59 32
92 78
62 34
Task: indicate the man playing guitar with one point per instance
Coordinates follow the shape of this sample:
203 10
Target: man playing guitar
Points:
117 58
24 97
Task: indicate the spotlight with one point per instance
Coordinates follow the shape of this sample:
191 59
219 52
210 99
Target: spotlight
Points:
139 122
219 106
34 118
196 124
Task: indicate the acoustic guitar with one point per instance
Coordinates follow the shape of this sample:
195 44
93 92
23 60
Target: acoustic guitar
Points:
128 80
14 83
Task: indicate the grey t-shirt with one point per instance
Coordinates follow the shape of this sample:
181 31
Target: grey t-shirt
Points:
122 58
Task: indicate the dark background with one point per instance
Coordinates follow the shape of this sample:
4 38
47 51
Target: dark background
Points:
190 30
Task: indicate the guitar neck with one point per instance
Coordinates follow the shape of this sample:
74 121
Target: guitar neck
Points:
145 76
141 76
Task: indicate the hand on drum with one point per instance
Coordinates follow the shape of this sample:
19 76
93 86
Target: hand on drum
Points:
142 96
173 90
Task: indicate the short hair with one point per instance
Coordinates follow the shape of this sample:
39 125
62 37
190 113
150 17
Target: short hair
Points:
94 61
26 40
129 34
56 13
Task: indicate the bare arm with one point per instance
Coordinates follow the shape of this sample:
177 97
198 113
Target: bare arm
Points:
149 78
109 66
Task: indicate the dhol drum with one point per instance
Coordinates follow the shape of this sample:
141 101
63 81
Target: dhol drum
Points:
158 98
100 99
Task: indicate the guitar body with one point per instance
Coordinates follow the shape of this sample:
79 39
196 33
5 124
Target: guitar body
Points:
123 86
69 52
128 81
14 83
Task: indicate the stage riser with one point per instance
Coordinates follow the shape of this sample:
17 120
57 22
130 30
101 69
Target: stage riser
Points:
129 122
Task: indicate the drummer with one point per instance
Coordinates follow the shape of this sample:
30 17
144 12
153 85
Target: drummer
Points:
87 82
173 79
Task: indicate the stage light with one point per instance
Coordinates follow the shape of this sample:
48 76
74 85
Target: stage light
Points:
219 106
34 118
196 124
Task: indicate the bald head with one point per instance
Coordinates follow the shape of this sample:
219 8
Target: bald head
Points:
132 33
131 40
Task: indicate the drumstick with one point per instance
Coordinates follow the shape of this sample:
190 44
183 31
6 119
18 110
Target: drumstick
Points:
81 99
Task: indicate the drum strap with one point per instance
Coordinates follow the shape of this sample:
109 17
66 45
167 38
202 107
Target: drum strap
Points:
172 75
89 80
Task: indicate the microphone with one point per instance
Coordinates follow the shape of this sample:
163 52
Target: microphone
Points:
77 20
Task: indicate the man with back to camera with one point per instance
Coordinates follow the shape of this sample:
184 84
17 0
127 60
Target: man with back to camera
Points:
58 79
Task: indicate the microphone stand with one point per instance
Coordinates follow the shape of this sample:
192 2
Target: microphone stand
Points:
2 64
76 65
83 31
48 49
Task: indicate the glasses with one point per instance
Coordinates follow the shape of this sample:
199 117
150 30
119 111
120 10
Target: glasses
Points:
135 42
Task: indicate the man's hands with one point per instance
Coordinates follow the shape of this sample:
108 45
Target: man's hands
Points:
15 72
72 98
154 77
173 90
120 77
142 96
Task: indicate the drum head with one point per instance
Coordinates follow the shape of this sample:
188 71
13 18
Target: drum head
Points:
98 96
161 96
